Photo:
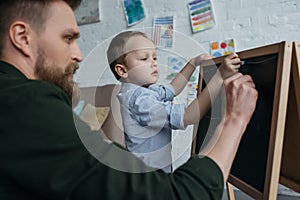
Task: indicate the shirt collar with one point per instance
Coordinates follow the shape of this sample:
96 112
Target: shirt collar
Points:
6 68
126 86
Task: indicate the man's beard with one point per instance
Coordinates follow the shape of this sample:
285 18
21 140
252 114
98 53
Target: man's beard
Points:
55 75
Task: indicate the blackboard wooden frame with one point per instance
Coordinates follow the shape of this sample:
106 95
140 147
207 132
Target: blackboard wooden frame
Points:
274 152
290 164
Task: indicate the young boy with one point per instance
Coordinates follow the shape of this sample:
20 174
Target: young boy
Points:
146 107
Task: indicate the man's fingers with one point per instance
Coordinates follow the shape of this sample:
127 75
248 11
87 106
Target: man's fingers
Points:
233 77
245 79
249 84
239 78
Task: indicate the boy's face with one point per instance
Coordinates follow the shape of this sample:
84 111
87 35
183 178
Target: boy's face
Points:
141 65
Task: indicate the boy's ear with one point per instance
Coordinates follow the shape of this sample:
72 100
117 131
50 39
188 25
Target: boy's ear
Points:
19 34
121 70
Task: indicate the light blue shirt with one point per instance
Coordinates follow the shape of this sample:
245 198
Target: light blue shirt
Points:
149 116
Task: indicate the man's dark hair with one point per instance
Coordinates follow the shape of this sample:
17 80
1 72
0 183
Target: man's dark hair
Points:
34 12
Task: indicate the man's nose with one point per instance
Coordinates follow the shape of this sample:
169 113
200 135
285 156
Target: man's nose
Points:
76 53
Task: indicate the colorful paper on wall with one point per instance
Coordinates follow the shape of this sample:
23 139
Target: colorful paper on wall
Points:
88 12
175 64
163 31
201 15
222 47
134 11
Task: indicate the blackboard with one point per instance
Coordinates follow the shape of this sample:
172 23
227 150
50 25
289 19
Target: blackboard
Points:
256 167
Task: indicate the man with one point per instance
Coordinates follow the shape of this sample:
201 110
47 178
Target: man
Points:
42 144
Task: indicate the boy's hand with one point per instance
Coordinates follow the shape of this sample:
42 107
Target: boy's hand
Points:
198 60
230 65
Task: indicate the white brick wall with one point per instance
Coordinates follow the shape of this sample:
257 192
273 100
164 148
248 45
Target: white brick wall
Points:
251 23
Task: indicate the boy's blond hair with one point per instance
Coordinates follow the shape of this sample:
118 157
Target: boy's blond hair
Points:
115 52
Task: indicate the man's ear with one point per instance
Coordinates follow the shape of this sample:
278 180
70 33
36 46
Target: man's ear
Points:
19 34
121 70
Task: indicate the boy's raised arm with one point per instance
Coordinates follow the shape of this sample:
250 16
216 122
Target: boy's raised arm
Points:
180 81
199 107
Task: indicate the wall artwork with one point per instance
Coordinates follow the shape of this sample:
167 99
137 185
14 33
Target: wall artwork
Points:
222 47
134 11
201 15
163 31
175 64
88 12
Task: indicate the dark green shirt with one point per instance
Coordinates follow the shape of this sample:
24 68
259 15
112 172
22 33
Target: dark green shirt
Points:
43 154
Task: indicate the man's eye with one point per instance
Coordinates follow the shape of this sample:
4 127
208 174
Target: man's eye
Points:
69 39
144 59
154 58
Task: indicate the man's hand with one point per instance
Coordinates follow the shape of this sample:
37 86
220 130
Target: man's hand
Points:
241 97
239 101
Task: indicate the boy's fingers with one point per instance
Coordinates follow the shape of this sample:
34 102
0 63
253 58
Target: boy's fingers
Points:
236 61
207 56
233 55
